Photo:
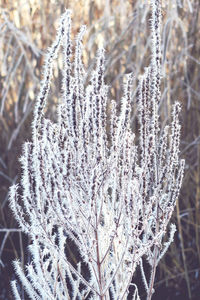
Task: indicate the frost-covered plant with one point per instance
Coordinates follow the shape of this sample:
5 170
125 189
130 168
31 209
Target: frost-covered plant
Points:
85 180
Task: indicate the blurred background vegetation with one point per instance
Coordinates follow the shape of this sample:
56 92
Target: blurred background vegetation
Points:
27 28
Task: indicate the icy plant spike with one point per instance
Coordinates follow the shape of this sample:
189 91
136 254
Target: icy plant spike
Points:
83 183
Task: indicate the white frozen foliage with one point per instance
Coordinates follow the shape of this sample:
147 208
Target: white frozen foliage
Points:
85 181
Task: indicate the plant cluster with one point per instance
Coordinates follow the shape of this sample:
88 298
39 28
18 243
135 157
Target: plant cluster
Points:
85 180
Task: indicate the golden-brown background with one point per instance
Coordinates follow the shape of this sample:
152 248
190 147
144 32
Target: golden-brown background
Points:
27 28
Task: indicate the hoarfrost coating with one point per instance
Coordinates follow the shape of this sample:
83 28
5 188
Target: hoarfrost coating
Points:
85 180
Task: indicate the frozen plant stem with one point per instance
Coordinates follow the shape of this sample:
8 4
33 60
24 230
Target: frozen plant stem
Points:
93 186
153 274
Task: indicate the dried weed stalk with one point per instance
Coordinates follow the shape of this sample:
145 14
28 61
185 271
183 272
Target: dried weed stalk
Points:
83 183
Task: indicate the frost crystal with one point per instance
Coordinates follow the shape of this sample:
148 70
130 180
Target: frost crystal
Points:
84 183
